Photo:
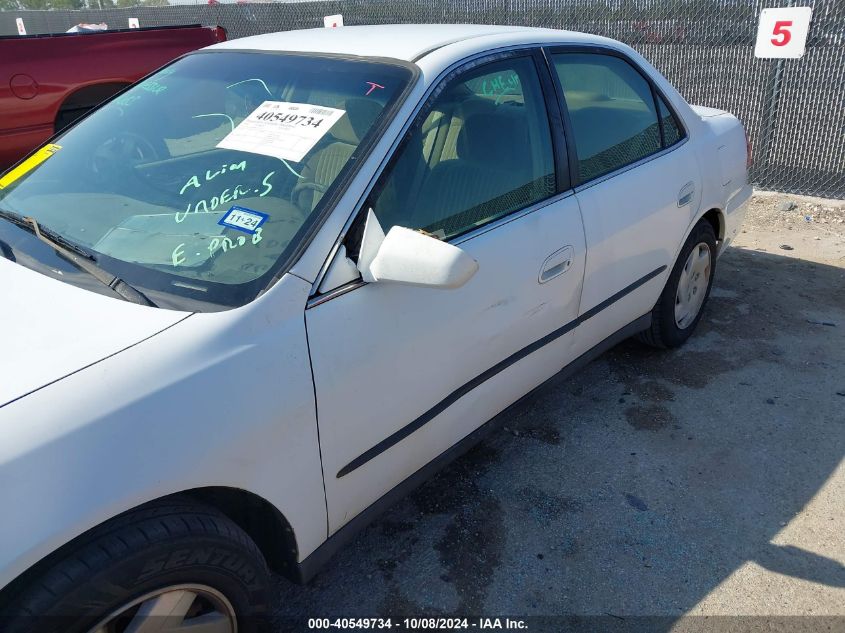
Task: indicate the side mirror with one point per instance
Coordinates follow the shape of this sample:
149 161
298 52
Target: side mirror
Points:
410 257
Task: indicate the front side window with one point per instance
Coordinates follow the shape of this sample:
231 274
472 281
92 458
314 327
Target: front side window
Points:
481 150
198 182
611 109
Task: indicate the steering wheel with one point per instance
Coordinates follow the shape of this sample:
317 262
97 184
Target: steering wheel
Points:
118 154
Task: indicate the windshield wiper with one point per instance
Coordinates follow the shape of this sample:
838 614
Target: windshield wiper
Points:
78 256
24 223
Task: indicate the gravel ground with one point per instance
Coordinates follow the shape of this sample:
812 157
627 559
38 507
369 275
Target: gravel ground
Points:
813 227
707 480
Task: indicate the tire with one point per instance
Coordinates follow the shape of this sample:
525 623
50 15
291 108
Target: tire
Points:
667 330
126 565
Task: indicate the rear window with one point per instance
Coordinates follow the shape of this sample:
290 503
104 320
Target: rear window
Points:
200 180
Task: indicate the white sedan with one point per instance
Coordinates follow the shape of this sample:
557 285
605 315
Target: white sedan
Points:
258 296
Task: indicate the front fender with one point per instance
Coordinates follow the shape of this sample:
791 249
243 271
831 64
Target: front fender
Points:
222 399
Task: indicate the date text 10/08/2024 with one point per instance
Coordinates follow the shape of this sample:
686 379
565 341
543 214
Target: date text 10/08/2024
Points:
418 624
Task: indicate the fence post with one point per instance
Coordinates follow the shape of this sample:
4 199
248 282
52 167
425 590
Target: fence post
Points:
773 104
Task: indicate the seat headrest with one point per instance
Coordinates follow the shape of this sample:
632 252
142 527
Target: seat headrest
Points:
359 118
499 137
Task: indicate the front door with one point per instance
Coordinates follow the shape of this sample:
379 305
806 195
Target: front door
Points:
402 373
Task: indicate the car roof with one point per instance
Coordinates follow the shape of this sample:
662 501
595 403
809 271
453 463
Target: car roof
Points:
408 42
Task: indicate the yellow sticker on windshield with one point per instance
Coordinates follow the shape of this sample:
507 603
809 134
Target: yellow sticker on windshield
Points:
29 164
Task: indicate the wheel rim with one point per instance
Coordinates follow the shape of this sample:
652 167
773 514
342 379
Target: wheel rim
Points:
195 608
692 285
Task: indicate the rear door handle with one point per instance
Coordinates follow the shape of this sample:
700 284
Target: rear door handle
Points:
556 264
685 194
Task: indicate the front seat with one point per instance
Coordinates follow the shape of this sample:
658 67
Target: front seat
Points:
322 166
491 171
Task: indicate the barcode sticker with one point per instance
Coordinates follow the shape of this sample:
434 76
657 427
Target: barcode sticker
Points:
282 129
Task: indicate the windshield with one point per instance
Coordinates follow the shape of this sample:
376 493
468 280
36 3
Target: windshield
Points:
198 182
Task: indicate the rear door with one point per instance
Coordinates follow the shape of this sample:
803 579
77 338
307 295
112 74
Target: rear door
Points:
638 184
402 373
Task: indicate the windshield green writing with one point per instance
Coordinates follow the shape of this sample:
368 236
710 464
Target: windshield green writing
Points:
194 181
211 203
218 243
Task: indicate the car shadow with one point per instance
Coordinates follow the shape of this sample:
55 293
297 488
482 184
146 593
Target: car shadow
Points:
799 563
640 485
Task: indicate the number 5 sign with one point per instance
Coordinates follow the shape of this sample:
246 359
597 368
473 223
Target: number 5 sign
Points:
783 32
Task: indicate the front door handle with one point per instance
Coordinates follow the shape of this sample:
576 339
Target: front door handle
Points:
556 264
685 194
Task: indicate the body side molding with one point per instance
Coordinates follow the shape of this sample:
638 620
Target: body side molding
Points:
308 568
453 397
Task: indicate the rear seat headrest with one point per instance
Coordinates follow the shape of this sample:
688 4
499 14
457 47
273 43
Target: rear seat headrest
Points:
360 116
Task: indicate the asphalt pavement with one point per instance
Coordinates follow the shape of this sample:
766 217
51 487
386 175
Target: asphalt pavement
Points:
703 481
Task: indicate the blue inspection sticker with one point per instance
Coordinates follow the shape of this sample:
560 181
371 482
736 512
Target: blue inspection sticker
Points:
243 219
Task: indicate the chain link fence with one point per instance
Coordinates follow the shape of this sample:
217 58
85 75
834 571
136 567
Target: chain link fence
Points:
794 110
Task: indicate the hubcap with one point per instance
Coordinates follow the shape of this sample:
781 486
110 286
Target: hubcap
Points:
194 608
692 285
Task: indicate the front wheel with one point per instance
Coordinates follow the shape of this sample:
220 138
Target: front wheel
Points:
170 566
681 304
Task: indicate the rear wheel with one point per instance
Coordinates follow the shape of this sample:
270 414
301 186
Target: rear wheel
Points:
80 102
66 116
170 566
681 304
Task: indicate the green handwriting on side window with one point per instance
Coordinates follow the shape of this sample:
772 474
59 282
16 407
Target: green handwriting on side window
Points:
500 85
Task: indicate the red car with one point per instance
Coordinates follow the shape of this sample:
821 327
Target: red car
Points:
48 81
